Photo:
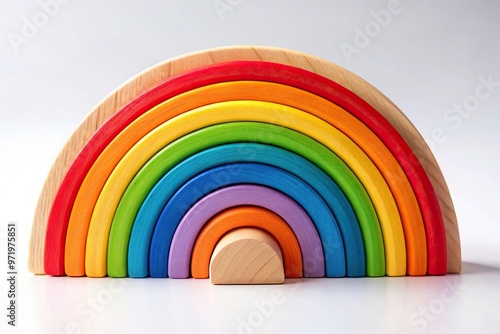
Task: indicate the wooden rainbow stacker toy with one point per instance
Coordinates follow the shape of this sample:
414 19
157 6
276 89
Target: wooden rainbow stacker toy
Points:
249 165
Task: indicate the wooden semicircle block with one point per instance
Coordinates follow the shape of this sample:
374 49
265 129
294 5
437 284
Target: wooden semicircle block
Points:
240 217
247 255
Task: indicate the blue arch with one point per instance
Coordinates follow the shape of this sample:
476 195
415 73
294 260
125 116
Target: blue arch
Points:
248 173
140 239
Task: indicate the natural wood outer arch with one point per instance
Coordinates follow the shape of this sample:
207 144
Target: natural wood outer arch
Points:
174 66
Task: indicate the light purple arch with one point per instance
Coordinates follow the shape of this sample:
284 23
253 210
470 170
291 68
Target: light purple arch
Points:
193 221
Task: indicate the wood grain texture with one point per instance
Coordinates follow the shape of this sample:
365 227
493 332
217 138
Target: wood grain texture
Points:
147 79
247 256
245 216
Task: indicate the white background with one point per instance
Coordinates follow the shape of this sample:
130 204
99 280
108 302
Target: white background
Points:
428 58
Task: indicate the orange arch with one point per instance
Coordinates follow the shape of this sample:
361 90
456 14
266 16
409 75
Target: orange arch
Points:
246 216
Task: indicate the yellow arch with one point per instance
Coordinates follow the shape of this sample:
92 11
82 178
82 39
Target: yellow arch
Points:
266 112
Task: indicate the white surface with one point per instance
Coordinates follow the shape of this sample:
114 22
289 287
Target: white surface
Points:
429 57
